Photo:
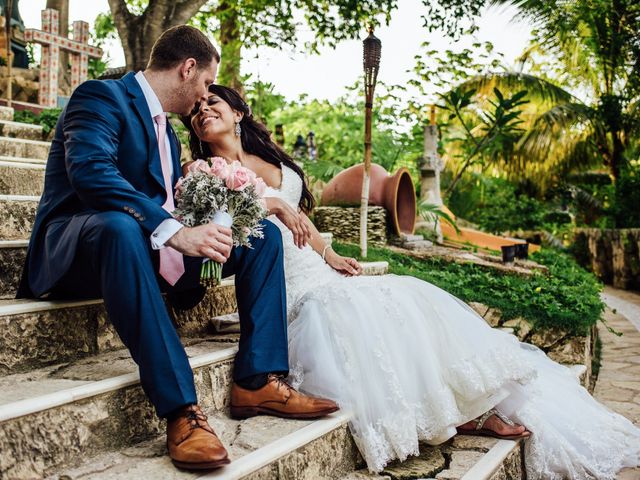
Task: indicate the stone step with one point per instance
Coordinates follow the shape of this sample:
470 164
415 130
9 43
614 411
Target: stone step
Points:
57 417
21 130
21 178
13 252
17 214
260 448
20 147
38 333
6 113
37 161
463 457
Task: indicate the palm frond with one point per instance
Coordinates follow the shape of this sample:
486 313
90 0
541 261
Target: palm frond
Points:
536 87
433 213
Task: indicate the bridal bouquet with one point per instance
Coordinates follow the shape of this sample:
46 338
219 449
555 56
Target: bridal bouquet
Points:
225 194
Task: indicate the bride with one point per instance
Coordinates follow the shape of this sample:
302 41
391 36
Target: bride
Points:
412 362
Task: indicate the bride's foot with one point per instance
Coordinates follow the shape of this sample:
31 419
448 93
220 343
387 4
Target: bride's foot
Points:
494 424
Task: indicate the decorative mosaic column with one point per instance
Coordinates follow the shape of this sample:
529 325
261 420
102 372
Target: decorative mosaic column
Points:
48 95
52 43
80 60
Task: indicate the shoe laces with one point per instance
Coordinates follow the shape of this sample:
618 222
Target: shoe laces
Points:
195 418
281 381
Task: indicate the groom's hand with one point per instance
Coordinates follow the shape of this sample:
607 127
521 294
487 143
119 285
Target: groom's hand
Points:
210 241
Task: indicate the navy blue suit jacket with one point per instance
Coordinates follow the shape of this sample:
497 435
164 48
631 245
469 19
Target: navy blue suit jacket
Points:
104 156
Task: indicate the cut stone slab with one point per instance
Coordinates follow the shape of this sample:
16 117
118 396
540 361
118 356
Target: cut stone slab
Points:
21 178
473 442
375 268
17 214
461 461
430 462
20 130
37 333
18 147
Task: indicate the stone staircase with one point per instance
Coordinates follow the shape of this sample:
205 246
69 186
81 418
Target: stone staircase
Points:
72 407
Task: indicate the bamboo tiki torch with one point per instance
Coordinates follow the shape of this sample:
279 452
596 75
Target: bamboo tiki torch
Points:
372 49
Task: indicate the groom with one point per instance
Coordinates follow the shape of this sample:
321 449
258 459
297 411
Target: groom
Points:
104 229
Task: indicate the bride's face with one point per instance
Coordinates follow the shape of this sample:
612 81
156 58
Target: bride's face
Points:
214 119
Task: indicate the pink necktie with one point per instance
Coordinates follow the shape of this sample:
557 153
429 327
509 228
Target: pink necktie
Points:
171 262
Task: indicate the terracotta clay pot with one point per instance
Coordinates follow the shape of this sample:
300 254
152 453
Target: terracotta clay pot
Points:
394 192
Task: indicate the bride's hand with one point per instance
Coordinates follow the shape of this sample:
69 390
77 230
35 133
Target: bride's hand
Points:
294 221
348 266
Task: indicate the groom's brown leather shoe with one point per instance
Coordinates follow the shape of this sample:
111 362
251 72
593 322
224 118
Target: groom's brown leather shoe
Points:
192 443
279 399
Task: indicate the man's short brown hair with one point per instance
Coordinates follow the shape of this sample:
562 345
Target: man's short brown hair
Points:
177 44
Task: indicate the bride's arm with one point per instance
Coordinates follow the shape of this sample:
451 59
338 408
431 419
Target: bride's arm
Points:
349 266
293 220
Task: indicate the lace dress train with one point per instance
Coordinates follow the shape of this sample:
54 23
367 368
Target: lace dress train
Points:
412 362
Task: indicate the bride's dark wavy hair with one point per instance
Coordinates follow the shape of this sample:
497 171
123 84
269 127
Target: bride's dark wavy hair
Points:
255 139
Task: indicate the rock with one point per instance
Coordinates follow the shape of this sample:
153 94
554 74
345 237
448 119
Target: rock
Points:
472 442
365 475
426 465
493 316
547 339
521 327
479 308
571 350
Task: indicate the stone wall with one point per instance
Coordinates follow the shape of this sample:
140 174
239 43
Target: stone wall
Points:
344 224
24 86
613 255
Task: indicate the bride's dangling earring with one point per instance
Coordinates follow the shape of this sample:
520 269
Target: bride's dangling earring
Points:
201 149
238 129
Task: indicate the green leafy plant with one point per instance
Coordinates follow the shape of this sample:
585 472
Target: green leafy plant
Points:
489 134
566 298
433 213
48 118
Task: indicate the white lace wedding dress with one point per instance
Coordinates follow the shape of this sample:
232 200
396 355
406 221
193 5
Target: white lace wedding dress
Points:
412 362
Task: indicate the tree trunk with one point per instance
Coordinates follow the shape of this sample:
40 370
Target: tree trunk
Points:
231 47
64 73
138 33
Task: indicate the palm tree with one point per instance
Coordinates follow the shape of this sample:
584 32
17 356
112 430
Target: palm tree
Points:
596 47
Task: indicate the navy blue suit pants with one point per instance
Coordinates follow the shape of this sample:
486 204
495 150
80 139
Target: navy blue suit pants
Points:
115 261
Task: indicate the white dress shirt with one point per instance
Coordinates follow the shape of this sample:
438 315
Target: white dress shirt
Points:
169 227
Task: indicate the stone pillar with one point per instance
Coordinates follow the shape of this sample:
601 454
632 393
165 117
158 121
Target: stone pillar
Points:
430 167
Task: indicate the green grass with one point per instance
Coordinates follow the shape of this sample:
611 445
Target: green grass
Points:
567 298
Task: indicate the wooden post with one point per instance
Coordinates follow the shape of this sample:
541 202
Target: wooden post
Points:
364 198
7 15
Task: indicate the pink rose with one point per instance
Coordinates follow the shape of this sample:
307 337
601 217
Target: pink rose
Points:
239 177
199 166
219 167
260 186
